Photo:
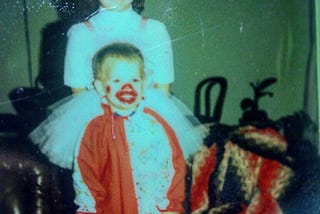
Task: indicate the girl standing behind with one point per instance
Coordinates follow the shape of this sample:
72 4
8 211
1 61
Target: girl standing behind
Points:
114 21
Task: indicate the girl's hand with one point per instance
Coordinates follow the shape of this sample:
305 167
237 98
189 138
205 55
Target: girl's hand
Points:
77 90
163 87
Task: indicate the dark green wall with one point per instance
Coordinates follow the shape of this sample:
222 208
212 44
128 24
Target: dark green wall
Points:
13 52
242 40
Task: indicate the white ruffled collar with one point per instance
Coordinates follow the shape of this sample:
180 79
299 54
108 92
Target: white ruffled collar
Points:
116 14
119 19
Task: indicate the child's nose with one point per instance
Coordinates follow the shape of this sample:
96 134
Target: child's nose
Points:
127 87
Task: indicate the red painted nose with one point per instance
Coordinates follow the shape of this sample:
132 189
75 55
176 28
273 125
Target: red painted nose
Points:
127 87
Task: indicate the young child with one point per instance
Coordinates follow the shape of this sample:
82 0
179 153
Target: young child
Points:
115 21
129 159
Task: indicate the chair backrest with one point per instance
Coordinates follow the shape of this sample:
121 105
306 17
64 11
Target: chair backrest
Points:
30 105
212 114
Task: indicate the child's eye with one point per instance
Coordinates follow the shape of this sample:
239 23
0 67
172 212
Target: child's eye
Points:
136 80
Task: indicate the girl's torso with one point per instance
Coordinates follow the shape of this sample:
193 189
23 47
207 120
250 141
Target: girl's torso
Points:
106 27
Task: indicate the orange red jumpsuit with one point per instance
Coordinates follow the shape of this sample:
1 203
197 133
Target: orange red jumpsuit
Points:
108 169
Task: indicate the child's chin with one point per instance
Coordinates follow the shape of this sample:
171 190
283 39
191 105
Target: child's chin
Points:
130 107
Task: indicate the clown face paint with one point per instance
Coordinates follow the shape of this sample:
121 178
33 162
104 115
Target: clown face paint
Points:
124 87
127 94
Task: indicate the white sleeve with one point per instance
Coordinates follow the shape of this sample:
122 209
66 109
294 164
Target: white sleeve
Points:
83 198
78 69
159 53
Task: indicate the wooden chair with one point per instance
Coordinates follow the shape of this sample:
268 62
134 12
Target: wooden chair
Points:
212 114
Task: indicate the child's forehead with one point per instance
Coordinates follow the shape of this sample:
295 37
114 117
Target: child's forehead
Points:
111 61
124 69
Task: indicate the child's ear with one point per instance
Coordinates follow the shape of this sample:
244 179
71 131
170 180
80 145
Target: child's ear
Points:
99 88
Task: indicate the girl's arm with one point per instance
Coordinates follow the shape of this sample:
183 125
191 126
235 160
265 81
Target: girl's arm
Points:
77 65
160 55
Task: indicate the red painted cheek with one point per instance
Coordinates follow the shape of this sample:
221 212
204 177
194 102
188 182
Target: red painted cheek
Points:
108 89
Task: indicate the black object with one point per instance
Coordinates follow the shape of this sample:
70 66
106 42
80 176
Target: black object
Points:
252 114
211 114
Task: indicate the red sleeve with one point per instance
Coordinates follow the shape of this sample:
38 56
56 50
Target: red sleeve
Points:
91 159
176 192
84 212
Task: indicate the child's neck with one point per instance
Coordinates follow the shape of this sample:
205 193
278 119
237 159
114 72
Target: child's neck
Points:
123 112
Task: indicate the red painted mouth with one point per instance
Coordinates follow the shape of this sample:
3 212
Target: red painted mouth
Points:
127 94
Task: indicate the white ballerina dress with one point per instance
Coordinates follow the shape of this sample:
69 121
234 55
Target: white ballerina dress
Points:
58 136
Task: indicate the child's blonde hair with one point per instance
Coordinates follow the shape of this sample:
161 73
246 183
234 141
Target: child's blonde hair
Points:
106 56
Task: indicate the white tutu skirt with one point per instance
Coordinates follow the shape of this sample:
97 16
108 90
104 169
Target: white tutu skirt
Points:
59 135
